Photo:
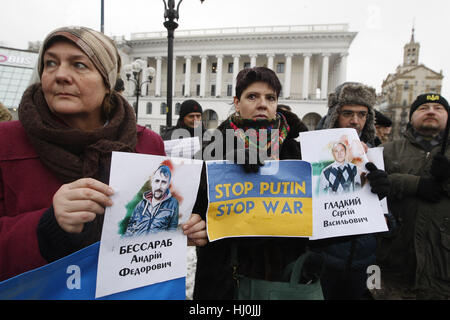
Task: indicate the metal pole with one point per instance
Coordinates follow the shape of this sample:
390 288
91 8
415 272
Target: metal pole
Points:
102 17
171 26
137 78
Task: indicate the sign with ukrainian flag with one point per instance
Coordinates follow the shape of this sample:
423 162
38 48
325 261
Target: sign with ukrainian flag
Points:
277 201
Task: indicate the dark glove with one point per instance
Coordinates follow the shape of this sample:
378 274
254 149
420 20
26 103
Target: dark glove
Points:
378 180
440 167
249 166
429 189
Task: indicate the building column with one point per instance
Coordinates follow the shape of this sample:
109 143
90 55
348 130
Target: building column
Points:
235 71
343 68
325 71
187 77
158 76
270 57
203 76
253 60
219 75
174 72
306 66
287 76
145 89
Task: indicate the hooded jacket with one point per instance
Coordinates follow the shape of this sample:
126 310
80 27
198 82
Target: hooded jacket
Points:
150 217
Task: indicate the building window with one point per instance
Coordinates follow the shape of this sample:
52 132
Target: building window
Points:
199 68
246 65
148 126
184 67
229 90
213 90
406 86
230 67
182 90
177 108
280 67
149 108
163 108
197 91
214 67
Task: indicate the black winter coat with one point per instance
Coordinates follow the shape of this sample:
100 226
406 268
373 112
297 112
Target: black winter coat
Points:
262 258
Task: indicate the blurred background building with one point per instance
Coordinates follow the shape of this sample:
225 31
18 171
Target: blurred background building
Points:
400 88
310 61
16 70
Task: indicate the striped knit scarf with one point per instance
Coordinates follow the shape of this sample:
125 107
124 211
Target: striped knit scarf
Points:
70 153
254 139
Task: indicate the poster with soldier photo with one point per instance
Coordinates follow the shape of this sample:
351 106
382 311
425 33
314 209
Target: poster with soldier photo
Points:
142 242
343 203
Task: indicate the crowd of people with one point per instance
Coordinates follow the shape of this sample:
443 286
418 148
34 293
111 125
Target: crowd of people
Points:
54 181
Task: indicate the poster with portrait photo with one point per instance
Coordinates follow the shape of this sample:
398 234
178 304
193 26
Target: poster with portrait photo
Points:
142 242
342 201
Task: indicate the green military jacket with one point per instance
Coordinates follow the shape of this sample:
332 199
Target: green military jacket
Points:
419 248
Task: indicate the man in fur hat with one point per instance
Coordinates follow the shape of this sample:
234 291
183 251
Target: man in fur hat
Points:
347 258
351 106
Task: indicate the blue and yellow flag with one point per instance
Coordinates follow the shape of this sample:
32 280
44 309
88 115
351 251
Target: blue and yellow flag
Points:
269 203
74 278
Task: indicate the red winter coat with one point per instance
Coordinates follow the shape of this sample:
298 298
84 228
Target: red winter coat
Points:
26 192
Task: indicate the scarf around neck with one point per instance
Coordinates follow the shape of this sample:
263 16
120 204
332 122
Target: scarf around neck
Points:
71 153
252 138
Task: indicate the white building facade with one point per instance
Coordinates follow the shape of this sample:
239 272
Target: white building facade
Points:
310 61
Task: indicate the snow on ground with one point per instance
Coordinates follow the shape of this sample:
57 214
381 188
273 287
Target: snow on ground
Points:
191 266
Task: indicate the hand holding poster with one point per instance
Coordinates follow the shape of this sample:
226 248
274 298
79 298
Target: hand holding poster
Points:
142 242
343 203
261 204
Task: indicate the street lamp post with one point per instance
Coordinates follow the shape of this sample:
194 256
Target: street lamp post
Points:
136 69
102 16
170 14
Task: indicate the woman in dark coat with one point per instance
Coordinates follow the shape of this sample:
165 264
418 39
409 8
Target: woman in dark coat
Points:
257 92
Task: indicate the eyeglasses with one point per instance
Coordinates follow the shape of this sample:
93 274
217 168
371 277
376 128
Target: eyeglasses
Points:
350 114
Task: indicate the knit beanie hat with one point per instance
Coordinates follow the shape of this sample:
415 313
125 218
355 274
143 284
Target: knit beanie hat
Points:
189 106
382 120
428 98
100 49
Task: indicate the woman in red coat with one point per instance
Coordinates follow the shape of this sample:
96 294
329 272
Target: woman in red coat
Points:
55 161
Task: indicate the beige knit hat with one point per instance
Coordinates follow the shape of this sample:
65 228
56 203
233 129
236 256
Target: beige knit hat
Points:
100 49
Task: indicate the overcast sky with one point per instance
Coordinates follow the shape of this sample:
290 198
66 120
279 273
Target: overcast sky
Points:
383 26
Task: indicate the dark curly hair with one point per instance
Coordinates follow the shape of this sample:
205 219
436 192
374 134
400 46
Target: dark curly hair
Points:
250 75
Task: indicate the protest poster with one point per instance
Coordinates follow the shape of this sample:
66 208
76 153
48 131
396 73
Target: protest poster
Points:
142 242
267 203
342 201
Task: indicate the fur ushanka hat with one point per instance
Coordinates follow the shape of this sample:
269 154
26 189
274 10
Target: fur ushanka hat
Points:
353 93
